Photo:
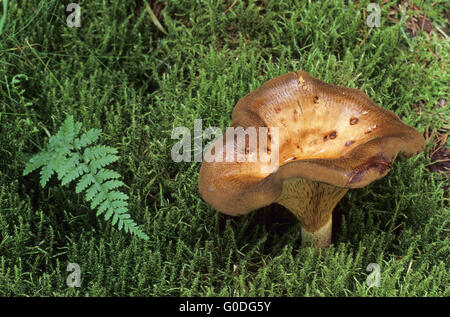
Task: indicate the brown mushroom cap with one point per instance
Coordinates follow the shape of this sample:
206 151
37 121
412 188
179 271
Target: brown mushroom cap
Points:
329 134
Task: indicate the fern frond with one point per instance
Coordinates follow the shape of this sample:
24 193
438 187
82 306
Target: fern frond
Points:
92 191
74 157
35 162
73 173
70 168
112 184
46 173
87 138
117 195
122 221
98 151
119 205
99 163
62 142
98 199
106 205
105 174
84 182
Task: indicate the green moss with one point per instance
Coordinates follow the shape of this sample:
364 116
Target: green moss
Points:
120 74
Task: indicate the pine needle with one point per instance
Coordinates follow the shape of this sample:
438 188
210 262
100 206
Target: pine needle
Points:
154 18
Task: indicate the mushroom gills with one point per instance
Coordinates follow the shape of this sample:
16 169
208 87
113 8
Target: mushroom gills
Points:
312 203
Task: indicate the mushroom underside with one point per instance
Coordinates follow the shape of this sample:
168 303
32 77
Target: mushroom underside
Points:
313 204
238 188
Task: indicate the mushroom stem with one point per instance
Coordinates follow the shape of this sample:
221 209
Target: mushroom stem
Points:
320 238
312 203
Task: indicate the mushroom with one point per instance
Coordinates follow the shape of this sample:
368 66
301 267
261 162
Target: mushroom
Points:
330 139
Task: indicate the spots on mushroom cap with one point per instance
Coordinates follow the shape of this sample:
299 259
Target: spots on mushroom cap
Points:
292 158
301 82
348 143
316 99
370 129
353 120
332 135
